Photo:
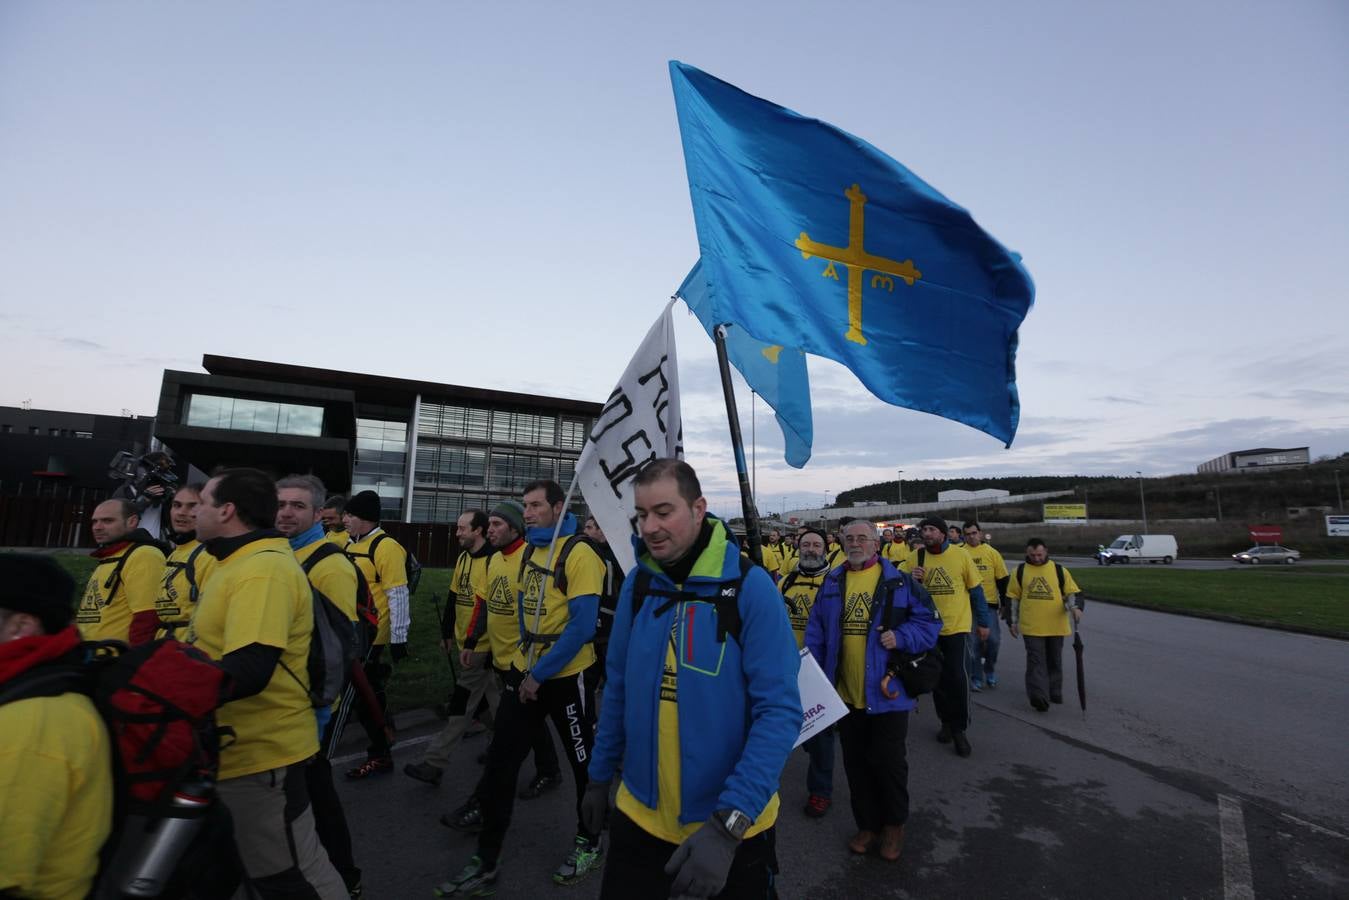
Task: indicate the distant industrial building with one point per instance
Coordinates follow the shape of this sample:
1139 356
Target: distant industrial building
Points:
42 449
1262 458
972 496
429 450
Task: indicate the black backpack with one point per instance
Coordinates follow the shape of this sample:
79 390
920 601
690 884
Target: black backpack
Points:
919 672
559 573
411 567
726 601
335 641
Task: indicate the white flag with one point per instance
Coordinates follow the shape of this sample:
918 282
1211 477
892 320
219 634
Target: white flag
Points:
639 423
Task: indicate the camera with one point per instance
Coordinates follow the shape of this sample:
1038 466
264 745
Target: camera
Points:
140 472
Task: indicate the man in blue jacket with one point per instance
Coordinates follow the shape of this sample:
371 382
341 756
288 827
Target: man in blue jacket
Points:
865 609
701 709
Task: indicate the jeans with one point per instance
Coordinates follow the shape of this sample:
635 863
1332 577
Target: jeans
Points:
988 650
820 772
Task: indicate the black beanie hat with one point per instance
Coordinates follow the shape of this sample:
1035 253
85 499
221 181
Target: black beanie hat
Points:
817 532
365 505
37 585
936 521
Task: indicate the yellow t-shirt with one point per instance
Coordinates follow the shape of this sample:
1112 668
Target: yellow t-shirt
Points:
858 590
55 796
772 557
663 821
106 609
950 576
991 567
501 593
897 552
259 595
1042 611
585 575
800 592
340 538
468 575
334 576
387 570
174 603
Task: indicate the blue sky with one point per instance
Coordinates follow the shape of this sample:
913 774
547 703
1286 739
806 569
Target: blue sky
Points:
494 194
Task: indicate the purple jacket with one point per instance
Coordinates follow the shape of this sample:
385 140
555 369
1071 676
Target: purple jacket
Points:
824 631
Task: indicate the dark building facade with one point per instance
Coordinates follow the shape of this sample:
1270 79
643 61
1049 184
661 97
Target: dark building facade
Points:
1262 459
43 450
429 450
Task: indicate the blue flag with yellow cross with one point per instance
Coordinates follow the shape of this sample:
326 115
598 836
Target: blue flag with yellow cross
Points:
811 238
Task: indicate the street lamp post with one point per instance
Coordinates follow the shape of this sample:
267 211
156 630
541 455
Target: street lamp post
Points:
899 481
1142 501
1338 496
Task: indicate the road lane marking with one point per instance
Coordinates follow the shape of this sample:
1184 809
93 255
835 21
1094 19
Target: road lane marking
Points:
1317 828
1236 854
405 743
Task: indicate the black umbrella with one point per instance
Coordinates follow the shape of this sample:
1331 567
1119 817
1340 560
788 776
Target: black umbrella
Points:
1081 675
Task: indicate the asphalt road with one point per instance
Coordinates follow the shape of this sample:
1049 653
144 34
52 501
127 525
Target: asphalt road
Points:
1206 564
1210 763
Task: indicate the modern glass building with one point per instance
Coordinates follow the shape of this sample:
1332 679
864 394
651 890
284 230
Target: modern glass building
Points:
429 450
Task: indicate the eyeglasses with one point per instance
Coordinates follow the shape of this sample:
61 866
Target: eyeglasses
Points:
857 538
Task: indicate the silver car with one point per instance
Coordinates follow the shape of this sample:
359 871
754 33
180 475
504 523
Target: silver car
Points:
1268 553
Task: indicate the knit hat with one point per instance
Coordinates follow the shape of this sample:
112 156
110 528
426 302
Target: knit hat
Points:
37 585
365 505
512 513
936 521
815 531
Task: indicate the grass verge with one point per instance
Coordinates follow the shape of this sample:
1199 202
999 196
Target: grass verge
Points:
1302 599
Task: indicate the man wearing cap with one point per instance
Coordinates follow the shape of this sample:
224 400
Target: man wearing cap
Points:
800 587
952 579
56 788
119 599
490 639
383 562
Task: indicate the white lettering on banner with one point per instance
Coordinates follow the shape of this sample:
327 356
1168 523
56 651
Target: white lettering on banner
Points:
821 703
639 424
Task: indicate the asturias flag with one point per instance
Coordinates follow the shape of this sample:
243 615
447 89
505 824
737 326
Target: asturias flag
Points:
812 238
777 374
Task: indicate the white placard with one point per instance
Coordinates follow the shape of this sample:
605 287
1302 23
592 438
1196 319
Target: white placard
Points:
820 703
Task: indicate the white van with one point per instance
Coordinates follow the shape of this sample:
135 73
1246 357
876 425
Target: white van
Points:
1150 547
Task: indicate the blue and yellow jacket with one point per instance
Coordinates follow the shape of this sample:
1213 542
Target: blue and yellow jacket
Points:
738 705
824 631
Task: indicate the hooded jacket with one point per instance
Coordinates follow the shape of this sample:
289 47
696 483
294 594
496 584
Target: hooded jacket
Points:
824 631
739 710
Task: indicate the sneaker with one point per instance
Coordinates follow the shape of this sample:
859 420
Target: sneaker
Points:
375 765
466 818
423 772
356 891
817 806
474 729
944 736
962 744
475 880
541 785
1055 698
991 680
583 859
1040 704
977 686
352 881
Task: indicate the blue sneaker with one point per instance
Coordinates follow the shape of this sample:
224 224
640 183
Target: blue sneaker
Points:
977 685
991 679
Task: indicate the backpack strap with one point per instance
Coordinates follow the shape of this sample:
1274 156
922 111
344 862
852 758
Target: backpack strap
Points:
325 550
374 545
559 573
726 600
190 573
1058 569
115 579
1020 569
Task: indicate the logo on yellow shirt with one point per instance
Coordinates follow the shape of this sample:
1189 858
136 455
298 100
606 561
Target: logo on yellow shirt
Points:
500 600
938 582
857 613
1039 589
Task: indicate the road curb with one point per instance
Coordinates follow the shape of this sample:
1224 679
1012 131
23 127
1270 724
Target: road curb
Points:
1220 617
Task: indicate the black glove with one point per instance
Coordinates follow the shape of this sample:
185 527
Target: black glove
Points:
594 806
700 864
398 652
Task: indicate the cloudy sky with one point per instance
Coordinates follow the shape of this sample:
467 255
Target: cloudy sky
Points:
494 194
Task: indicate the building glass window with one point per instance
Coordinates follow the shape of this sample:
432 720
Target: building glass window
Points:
241 414
381 463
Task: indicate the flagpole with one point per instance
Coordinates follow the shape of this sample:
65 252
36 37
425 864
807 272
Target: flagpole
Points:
738 445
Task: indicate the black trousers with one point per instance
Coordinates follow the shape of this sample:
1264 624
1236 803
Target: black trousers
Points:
1044 668
377 672
566 701
635 865
330 820
875 759
952 694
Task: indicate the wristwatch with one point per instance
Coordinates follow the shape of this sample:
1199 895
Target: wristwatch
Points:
734 821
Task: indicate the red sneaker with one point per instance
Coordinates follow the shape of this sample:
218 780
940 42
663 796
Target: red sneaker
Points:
817 806
375 765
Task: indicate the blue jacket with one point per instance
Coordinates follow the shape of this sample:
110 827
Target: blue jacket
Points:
824 631
739 708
